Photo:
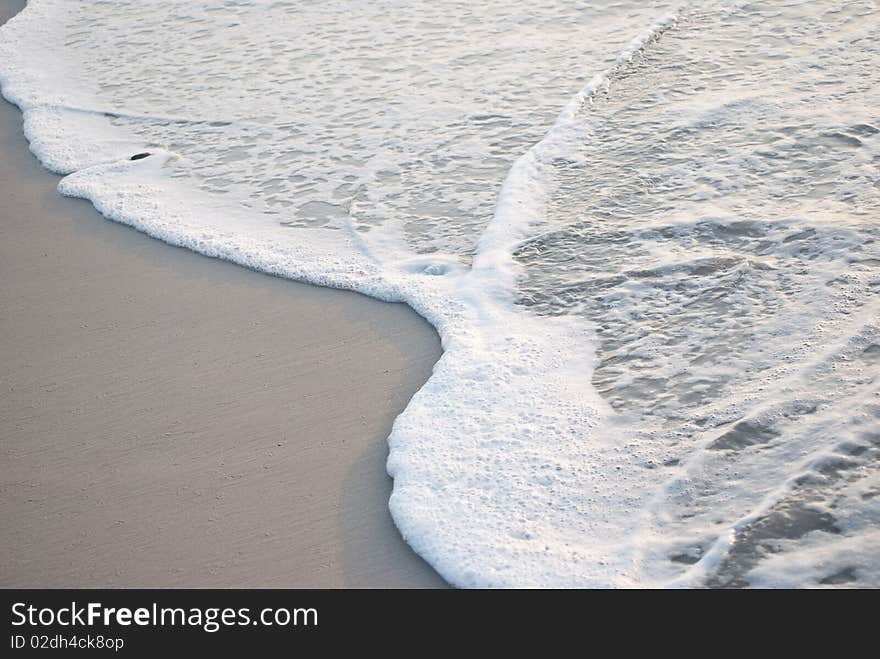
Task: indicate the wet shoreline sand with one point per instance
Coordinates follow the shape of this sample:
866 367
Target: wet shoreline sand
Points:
173 420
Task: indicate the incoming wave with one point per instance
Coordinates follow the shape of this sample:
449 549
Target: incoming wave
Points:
517 464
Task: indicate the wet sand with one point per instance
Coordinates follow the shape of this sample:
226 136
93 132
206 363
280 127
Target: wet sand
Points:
167 419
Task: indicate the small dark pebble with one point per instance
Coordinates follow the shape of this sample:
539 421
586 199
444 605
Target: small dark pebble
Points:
140 156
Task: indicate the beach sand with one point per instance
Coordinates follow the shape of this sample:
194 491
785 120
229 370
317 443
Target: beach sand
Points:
173 420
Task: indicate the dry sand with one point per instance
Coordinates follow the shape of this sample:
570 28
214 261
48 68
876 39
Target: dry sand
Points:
172 420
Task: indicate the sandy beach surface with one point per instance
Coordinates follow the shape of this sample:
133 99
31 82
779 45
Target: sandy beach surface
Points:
172 420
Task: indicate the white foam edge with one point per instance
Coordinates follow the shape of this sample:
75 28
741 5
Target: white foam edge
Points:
488 458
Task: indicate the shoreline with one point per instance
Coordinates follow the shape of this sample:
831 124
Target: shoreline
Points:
174 420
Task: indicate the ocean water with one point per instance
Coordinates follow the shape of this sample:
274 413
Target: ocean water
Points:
647 233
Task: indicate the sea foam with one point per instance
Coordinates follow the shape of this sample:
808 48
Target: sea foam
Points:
471 163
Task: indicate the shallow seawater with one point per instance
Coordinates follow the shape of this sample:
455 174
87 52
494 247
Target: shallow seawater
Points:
404 115
663 367
719 228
